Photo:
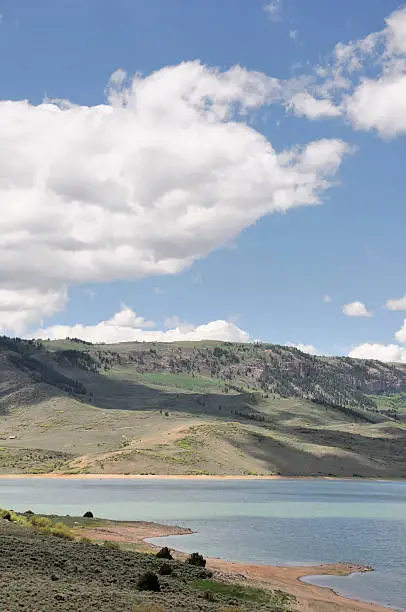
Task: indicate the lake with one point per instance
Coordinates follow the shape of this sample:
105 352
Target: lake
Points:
280 522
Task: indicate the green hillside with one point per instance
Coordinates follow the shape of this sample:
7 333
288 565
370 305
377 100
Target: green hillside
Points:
198 408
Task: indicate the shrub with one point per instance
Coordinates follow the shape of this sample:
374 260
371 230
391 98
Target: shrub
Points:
88 514
45 530
40 521
10 515
19 519
111 544
148 582
149 608
86 540
165 569
62 531
196 559
164 553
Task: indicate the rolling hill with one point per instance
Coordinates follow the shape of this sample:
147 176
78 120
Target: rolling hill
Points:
198 408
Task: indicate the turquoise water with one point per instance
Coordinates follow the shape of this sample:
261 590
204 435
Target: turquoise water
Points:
285 522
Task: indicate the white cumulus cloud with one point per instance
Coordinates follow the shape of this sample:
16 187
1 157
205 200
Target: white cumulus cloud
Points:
397 304
401 334
327 299
364 81
144 184
305 348
356 309
384 352
126 317
381 352
304 104
19 308
127 326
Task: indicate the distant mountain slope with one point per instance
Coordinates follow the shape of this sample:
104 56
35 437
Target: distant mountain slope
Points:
205 407
341 382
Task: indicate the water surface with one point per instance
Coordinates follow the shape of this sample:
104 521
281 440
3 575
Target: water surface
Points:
281 522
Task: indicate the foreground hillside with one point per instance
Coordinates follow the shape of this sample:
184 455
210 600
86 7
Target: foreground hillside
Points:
198 408
41 572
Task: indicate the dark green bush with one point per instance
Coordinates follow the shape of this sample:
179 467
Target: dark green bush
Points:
196 559
148 582
165 569
164 553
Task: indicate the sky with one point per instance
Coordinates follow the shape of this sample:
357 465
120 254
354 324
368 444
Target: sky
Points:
226 170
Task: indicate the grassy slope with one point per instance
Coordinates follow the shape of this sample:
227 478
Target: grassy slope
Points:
167 423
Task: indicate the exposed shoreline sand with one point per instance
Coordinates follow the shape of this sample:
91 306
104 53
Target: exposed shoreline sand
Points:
310 598
188 477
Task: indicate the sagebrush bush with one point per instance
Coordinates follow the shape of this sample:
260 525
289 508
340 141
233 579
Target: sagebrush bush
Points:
13 517
40 521
196 559
111 544
62 531
45 530
148 582
147 608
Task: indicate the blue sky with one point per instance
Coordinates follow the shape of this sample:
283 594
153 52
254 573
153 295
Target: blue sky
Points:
264 275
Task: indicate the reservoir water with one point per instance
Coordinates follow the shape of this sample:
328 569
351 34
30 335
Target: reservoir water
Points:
280 522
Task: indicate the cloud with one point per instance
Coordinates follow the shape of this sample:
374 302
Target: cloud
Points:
356 309
380 103
327 299
127 326
384 352
381 352
398 304
127 318
139 187
294 35
274 9
401 334
305 348
364 81
172 321
23 307
158 291
305 105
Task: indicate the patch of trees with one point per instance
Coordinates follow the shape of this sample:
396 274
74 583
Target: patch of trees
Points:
42 373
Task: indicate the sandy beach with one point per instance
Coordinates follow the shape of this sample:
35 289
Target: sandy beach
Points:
143 476
55 475
310 598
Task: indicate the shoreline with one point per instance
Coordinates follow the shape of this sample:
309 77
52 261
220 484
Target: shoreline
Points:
58 476
311 598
